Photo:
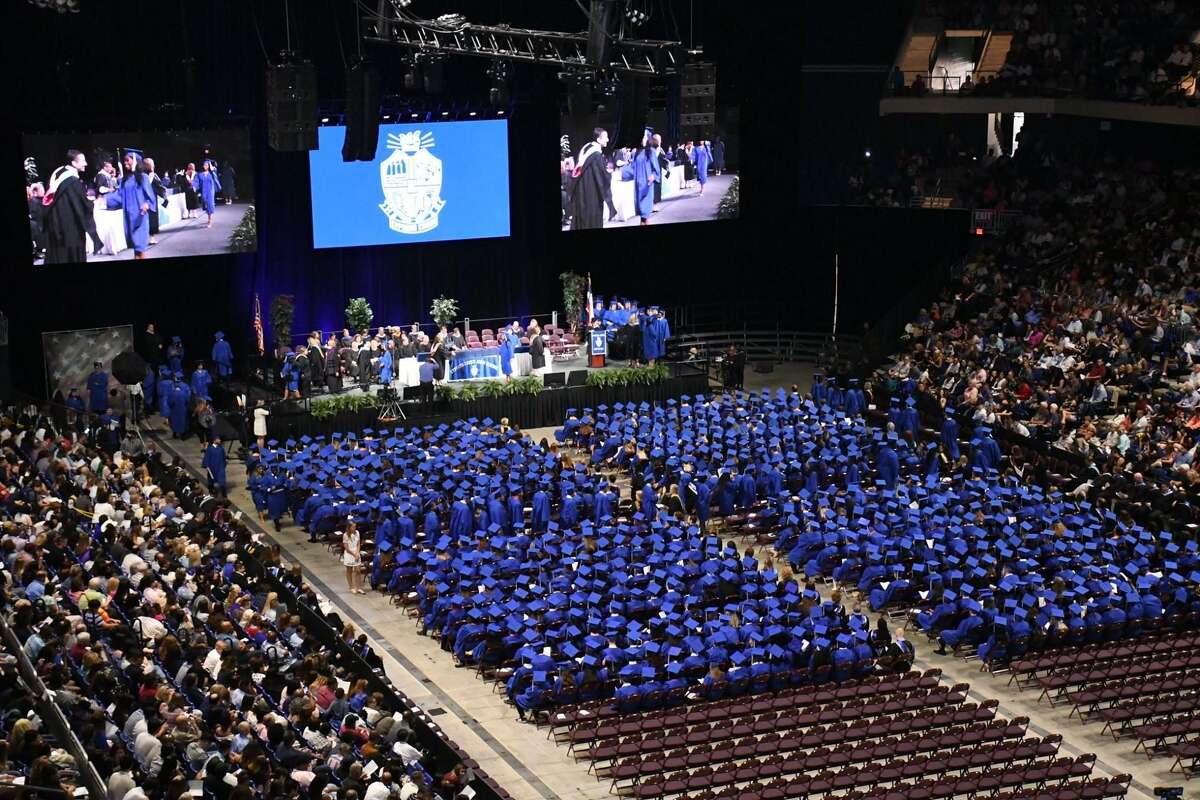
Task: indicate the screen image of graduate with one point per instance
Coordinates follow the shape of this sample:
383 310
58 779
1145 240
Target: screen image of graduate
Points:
647 182
138 195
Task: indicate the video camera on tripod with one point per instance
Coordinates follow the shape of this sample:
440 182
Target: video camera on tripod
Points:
390 405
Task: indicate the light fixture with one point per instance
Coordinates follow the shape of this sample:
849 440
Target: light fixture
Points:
867 153
325 119
470 113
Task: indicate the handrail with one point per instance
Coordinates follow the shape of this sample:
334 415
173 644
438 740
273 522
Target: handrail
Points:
53 717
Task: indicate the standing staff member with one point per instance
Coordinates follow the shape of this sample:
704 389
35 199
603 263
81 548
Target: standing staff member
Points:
537 350
159 191
68 214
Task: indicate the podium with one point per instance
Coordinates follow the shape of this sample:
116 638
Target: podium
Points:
598 346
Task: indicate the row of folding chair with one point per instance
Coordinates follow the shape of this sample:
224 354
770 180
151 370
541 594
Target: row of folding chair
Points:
1024 671
970 783
684 720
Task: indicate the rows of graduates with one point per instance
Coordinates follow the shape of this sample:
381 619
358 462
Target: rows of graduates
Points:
514 554
985 557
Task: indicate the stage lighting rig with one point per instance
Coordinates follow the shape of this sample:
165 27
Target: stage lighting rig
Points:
453 35
61 6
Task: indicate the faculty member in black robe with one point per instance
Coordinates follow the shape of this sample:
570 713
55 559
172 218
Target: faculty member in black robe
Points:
592 190
160 192
69 214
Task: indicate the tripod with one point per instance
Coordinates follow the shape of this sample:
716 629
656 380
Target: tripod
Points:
390 405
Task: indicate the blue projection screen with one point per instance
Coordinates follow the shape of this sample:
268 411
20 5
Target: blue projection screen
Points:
429 182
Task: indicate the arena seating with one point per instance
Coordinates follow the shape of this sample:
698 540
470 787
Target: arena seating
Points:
174 664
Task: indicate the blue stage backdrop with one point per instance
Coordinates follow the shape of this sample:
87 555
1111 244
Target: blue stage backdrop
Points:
428 183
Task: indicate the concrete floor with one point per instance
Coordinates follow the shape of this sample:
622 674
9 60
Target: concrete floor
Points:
519 756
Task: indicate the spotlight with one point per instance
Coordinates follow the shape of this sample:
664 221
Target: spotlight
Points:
470 113
635 16
498 71
414 116
445 113
867 153
325 120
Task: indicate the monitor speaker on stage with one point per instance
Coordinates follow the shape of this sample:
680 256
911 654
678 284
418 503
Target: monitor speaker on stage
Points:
292 107
363 86
577 377
557 379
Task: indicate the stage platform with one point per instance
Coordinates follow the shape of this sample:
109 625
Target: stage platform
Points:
294 418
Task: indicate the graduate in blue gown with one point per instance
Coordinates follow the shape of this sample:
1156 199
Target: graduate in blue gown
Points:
950 434
506 355
97 387
207 185
163 391
177 402
387 365
200 382
149 384
701 157
135 197
214 464
644 171
222 356
175 354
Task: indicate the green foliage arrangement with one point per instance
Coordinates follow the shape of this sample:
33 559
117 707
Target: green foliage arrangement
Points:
283 313
326 407
491 389
627 376
359 314
574 297
729 207
244 238
444 310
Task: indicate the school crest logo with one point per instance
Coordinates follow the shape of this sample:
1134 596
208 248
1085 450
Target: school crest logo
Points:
411 179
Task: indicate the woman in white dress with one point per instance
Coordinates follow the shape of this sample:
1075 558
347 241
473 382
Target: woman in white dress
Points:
260 423
352 558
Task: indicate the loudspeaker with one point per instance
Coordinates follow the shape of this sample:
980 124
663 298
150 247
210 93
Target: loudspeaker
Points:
577 377
554 379
579 97
292 107
635 101
363 88
601 19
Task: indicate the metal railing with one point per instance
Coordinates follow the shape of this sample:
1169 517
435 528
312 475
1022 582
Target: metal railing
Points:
775 346
53 719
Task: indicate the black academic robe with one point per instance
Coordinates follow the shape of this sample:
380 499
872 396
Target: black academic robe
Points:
160 192
537 352
37 215
333 371
67 219
591 192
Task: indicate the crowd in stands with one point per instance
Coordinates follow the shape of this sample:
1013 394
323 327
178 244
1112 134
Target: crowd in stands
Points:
1144 51
125 583
1133 50
1076 331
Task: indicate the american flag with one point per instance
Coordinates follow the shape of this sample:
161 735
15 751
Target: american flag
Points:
589 301
258 328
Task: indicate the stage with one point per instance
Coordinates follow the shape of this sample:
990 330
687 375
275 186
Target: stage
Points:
294 418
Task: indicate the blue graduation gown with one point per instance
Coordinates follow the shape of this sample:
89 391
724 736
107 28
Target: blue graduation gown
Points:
461 519
200 382
950 437
149 384
540 516
506 354
649 502
207 185
175 356
97 387
644 172
214 462
164 395
132 193
516 514
701 157
222 356
386 367
177 400
568 515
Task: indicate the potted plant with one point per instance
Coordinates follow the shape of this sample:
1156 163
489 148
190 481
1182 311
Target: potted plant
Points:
574 298
444 310
359 314
283 313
